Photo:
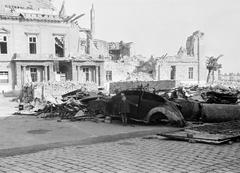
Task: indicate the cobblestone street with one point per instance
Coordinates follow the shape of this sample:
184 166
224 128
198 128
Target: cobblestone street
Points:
132 155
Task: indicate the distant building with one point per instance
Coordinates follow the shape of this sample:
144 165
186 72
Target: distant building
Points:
187 66
230 77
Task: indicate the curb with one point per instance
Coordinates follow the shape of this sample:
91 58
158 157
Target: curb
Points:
88 141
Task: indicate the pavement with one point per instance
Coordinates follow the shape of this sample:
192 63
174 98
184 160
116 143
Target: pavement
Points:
7 106
136 155
26 134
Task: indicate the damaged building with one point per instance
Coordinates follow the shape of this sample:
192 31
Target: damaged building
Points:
39 43
187 66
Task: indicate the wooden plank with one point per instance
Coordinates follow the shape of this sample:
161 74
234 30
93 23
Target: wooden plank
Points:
197 137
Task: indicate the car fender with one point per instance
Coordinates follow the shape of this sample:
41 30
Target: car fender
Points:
173 116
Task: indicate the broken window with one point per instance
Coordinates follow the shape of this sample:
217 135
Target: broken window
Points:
190 72
32 44
109 75
3 76
173 73
86 72
3 44
33 72
59 46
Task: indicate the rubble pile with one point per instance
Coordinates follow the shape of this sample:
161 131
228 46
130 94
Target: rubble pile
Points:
73 105
27 94
226 128
209 94
230 84
141 76
71 109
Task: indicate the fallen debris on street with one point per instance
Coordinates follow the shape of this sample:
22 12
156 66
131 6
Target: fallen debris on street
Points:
216 133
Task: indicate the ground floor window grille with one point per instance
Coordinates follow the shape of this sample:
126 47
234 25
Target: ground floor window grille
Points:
4 77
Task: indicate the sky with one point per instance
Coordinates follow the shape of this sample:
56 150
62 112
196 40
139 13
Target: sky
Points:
158 27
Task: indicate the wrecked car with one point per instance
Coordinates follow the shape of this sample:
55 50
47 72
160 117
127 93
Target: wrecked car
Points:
190 109
151 108
208 113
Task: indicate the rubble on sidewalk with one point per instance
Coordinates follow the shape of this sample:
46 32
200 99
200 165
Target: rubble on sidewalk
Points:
74 105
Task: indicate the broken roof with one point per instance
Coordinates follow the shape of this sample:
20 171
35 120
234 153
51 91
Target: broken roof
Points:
29 10
28 4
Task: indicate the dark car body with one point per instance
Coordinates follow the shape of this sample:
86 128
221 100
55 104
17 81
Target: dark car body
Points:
190 109
150 107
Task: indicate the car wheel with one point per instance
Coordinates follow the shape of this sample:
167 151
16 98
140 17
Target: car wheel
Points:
158 118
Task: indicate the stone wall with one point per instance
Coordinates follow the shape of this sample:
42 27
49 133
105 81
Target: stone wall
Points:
158 85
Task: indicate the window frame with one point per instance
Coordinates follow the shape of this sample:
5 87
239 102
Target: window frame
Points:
4 73
59 37
4 41
190 72
173 72
32 42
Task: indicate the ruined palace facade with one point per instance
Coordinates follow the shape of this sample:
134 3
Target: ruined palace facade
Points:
39 43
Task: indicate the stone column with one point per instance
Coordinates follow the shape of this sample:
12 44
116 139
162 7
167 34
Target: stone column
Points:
101 75
78 73
74 74
51 73
18 75
158 72
97 75
45 73
24 75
